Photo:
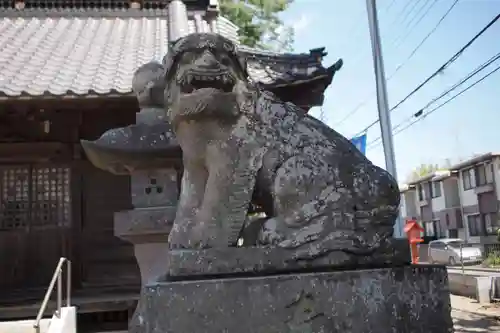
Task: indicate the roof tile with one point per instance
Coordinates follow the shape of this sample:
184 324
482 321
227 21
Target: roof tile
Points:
59 52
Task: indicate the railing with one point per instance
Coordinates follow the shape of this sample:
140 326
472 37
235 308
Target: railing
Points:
57 277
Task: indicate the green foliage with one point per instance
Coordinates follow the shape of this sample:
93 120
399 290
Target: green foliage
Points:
493 259
259 22
423 170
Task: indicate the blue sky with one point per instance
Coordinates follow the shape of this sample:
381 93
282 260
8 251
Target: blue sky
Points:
468 125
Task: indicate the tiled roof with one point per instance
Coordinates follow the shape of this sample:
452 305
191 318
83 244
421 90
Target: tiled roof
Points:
82 52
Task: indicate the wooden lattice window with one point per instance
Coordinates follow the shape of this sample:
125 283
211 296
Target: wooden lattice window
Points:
34 196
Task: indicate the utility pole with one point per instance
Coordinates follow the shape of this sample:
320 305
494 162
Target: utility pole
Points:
382 101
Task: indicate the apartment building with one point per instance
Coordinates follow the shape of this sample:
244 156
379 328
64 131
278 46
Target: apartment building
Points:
460 202
478 190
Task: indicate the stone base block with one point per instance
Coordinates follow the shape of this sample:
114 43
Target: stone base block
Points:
181 264
409 299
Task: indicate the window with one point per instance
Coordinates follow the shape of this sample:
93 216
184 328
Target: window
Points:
421 194
436 189
481 175
490 171
467 179
491 223
437 245
483 224
455 244
485 174
34 197
438 230
475 225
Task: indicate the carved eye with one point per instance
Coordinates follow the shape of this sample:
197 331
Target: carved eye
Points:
187 58
225 60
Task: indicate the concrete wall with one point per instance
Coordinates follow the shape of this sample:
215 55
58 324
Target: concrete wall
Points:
23 326
64 324
462 285
481 288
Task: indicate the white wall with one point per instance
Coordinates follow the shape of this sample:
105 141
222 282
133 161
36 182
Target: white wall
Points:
496 174
467 197
402 207
408 207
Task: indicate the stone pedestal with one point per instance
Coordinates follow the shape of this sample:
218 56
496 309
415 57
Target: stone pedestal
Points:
406 299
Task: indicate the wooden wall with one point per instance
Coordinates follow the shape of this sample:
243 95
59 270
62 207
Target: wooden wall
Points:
54 203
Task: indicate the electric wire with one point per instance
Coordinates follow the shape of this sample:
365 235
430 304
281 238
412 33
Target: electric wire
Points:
411 27
355 29
421 115
361 55
412 53
438 71
456 85
405 24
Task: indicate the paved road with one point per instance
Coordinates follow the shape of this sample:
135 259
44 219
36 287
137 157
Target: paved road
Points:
469 316
469 322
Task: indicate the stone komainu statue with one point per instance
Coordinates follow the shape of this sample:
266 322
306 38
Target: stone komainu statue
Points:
242 145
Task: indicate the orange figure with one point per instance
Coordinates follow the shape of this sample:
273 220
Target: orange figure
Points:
413 230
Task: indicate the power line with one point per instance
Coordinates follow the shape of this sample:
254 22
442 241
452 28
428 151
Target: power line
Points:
445 102
422 116
389 6
423 40
370 97
412 27
438 71
363 54
404 10
456 85
354 30
405 26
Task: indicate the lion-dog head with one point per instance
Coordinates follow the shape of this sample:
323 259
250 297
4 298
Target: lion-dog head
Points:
205 77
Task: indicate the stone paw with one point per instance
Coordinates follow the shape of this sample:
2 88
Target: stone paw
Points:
202 237
192 236
179 238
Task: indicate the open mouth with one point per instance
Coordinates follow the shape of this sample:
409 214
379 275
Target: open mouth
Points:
221 82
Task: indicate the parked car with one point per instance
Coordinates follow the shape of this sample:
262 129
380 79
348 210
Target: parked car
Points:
453 251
